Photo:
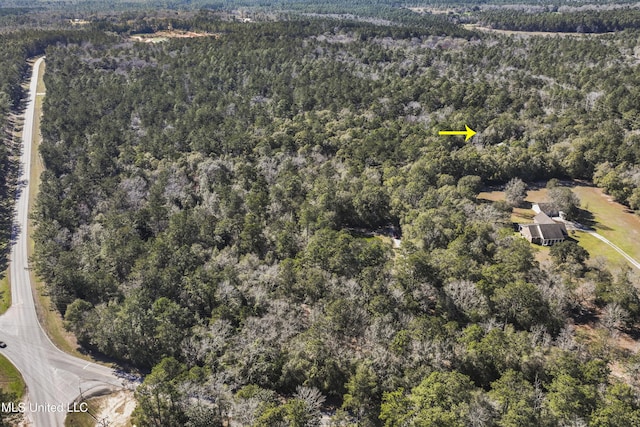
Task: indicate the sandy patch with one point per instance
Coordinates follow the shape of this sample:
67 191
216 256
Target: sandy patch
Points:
432 10
160 36
116 408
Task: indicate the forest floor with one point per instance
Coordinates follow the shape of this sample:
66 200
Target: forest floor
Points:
599 339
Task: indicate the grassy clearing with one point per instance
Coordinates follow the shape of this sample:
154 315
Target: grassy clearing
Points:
5 292
10 379
597 248
49 318
612 220
519 215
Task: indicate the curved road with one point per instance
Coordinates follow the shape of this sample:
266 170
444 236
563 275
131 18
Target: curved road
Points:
632 261
54 379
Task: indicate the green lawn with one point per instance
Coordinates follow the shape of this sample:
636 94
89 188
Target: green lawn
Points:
5 292
10 379
597 248
612 220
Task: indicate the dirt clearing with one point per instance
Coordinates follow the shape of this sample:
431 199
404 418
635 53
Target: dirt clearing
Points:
113 410
161 36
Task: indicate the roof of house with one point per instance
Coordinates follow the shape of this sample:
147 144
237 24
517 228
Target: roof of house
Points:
543 218
529 230
543 231
550 231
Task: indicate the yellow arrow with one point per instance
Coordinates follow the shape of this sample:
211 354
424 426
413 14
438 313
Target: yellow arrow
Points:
469 132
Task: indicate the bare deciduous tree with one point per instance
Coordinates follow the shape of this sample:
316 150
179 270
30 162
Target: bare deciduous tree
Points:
614 317
515 192
467 298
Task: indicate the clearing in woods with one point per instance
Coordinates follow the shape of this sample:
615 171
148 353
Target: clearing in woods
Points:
472 27
161 36
610 219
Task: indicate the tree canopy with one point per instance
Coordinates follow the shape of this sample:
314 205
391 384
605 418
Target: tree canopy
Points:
265 218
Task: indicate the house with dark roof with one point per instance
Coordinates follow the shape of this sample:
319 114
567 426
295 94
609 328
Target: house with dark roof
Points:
547 208
544 230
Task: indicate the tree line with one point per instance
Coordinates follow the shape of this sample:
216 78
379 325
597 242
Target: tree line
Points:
15 49
588 21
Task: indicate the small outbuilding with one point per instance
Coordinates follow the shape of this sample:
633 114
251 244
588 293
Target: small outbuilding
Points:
547 208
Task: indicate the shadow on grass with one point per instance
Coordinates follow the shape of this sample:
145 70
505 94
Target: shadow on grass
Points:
569 238
587 219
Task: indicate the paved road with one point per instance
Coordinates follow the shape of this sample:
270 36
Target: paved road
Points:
53 377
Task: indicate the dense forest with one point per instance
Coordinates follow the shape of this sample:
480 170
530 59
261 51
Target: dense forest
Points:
587 21
219 211
20 5
15 49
